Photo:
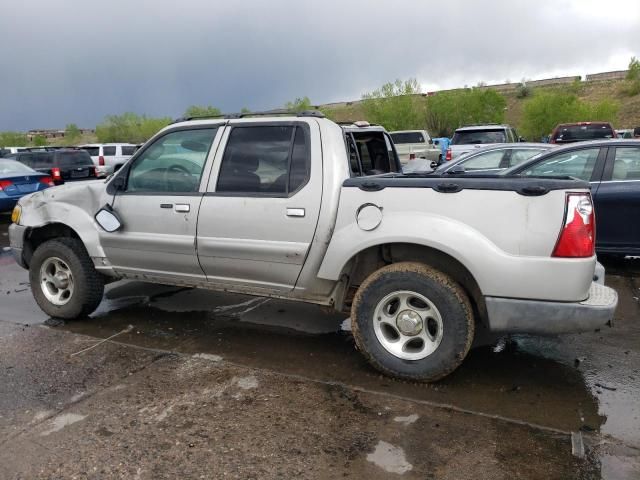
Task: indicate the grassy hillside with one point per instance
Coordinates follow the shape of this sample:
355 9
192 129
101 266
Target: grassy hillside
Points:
628 114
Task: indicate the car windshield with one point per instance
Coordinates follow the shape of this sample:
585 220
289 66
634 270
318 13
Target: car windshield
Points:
576 133
467 137
73 159
407 137
9 167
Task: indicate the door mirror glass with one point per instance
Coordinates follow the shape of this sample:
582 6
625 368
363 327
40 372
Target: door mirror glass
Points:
108 219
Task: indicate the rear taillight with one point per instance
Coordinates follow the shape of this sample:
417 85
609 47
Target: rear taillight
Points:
578 235
55 173
101 161
4 184
47 181
412 156
448 157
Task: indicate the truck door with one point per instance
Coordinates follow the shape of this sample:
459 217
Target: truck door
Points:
164 186
258 217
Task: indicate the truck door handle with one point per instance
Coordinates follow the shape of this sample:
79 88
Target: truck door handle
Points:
182 207
166 205
295 212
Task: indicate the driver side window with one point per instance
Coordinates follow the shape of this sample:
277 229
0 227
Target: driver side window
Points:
173 163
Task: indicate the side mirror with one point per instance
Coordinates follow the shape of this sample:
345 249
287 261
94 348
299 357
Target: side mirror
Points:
430 142
108 219
434 165
522 139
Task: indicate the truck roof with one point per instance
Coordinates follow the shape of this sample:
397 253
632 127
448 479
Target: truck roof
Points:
485 126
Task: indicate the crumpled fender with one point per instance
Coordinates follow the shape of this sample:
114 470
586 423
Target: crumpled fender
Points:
71 205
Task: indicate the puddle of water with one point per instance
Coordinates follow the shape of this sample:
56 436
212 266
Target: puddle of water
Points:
390 458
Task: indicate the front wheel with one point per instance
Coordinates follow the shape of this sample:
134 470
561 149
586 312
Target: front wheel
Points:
63 280
412 322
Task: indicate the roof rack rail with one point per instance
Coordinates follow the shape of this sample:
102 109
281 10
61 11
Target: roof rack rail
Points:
268 113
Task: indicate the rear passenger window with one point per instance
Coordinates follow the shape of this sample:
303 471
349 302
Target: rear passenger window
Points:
627 164
109 151
265 160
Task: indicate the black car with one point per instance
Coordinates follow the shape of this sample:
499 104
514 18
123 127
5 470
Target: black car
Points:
613 168
62 165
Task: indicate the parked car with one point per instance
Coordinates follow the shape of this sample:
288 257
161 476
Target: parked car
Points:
61 165
470 137
624 133
412 144
4 151
613 169
492 159
17 180
581 131
109 157
301 208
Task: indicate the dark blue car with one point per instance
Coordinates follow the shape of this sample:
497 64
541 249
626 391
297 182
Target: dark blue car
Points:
17 180
613 169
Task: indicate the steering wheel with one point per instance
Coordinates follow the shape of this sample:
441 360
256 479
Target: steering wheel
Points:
174 168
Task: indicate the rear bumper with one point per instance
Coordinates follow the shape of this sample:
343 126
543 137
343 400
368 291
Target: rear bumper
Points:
508 315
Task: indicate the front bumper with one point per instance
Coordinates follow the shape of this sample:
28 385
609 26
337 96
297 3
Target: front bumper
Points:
509 315
16 242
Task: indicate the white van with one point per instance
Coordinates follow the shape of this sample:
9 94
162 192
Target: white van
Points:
109 156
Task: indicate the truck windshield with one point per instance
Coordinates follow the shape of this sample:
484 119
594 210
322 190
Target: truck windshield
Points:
467 137
407 137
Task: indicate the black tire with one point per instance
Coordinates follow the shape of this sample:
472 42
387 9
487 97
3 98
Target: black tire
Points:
446 295
88 284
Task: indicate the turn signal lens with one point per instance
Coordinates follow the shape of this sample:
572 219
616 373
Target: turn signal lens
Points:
16 214
578 235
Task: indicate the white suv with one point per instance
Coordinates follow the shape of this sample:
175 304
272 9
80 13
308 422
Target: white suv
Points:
109 157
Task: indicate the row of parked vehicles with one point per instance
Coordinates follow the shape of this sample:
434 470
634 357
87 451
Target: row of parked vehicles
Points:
301 208
28 169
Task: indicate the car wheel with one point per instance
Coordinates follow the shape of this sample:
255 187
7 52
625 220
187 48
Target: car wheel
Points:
63 280
412 322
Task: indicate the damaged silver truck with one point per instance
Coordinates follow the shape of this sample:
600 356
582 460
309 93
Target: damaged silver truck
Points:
301 208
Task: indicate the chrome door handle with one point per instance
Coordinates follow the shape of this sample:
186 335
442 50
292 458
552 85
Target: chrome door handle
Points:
182 207
295 212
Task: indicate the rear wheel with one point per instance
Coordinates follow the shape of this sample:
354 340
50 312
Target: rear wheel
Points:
63 280
412 321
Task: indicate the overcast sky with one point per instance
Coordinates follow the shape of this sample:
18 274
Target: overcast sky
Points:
78 60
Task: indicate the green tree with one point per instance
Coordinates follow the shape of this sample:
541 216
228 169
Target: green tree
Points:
72 133
129 127
633 71
447 111
546 110
202 111
631 85
299 105
245 110
13 139
39 141
395 105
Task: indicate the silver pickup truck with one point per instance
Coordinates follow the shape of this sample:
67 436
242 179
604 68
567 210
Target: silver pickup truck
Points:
301 208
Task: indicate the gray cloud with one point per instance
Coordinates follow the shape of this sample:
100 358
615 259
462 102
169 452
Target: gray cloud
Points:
77 61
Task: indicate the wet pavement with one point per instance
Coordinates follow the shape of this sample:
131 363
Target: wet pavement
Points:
204 385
